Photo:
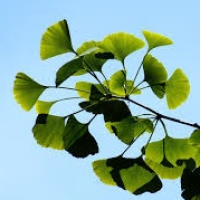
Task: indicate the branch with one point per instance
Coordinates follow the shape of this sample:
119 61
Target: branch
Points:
195 125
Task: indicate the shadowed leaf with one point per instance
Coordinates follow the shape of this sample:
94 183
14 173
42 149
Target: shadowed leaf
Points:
27 91
77 139
49 131
56 40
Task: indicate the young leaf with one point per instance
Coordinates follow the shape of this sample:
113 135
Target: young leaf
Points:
49 131
43 107
195 138
129 174
27 91
56 40
69 69
177 89
77 139
129 128
154 74
117 83
121 44
156 40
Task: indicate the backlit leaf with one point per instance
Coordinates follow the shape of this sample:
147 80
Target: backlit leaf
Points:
87 48
27 91
43 107
77 139
195 138
56 40
156 40
69 69
49 131
121 44
129 174
155 74
177 89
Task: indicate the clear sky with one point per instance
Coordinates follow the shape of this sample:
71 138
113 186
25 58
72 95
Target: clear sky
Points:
28 171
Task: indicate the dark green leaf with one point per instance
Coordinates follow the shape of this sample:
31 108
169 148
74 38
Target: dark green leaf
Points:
177 89
49 131
27 91
121 44
104 55
56 40
77 139
129 174
129 128
155 74
156 40
113 110
95 94
69 69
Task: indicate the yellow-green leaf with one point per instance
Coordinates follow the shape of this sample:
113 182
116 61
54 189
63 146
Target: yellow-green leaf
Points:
56 40
177 89
27 91
121 44
156 40
43 107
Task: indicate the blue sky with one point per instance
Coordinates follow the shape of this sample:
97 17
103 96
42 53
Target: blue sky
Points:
28 171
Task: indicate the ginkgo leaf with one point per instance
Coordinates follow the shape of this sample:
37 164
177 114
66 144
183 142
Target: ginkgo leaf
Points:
87 48
69 69
27 91
56 40
84 89
43 107
156 40
131 89
77 139
49 131
129 128
195 138
162 156
121 44
129 174
177 89
112 110
155 74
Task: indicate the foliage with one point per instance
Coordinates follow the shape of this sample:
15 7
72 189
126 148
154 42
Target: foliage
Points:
168 158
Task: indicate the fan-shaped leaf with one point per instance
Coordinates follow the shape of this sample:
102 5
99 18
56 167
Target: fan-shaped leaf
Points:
43 107
27 91
162 156
156 40
56 40
78 141
87 48
155 74
121 44
69 69
195 138
113 110
129 174
177 89
49 131
129 128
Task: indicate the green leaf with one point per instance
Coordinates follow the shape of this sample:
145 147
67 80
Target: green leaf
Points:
49 131
96 95
43 107
129 174
130 89
84 89
87 48
129 128
56 40
195 138
113 110
162 156
77 139
121 44
177 89
156 40
154 74
69 69
27 91
117 83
